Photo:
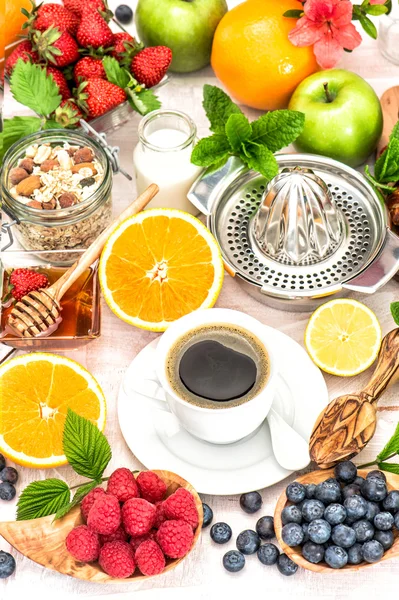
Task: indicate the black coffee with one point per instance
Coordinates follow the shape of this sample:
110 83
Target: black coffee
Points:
217 366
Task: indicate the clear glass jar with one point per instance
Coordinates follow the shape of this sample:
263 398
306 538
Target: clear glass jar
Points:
162 156
388 34
75 227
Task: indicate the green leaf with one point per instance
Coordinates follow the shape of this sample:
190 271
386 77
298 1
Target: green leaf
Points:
85 446
368 26
238 130
115 73
390 467
395 312
218 107
144 102
392 446
277 129
395 132
30 85
217 165
386 168
78 497
210 150
376 183
376 10
293 13
16 128
42 498
260 159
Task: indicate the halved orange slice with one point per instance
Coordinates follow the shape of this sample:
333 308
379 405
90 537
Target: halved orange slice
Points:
159 265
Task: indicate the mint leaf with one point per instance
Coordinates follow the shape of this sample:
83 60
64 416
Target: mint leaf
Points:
238 130
368 26
395 132
261 159
376 183
42 498
115 73
277 129
144 102
16 128
390 467
30 85
387 166
210 150
85 446
392 446
218 107
395 312
78 497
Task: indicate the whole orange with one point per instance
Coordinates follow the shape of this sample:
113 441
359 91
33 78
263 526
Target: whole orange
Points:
11 21
253 57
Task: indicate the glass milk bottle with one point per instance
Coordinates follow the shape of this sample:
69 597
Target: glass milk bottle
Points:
162 156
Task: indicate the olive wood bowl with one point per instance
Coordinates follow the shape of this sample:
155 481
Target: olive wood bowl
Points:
43 540
295 553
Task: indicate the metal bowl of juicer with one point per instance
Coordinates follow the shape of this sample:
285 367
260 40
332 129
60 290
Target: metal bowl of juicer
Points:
317 230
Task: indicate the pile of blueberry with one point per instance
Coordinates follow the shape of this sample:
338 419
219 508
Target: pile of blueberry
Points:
8 479
343 520
7 564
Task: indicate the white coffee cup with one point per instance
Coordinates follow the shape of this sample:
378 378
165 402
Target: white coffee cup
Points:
216 425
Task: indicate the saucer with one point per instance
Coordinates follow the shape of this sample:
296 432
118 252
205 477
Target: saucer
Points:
159 441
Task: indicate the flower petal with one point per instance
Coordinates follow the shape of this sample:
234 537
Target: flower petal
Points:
348 37
342 14
377 1
306 33
328 51
320 11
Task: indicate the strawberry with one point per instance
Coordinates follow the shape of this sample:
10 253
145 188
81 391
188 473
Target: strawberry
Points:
93 30
67 114
60 80
87 68
98 96
46 15
150 65
123 44
76 6
55 46
25 281
25 51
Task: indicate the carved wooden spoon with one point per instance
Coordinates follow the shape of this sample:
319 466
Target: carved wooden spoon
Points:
390 108
348 423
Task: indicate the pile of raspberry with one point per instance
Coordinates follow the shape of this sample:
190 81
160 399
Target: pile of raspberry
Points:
131 525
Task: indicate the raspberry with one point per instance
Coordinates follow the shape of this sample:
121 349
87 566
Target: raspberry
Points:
175 538
117 559
120 534
159 515
149 558
151 487
89 500
181 505
136 541
122 484
83 544
105 515
27 280
138 516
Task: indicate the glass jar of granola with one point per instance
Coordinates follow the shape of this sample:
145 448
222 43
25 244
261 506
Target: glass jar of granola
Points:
56 189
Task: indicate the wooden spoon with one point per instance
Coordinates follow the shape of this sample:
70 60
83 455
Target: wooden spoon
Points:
38 313
390 108
43 540
348 423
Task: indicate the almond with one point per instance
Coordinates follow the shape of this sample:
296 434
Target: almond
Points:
17 175
27 186
27 164
83 155
67 199
34 204
85 165
49 165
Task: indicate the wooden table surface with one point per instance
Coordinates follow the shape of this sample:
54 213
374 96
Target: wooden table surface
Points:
202 574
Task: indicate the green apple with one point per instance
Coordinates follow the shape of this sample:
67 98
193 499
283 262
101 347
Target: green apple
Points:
343 116
185 26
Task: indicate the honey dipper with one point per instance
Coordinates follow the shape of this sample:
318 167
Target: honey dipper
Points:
39 311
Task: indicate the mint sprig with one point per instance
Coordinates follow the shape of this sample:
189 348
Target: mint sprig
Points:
386 169
234 135
395 312
30 85
390 450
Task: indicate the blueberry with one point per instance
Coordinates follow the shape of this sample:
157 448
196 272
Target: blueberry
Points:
233 561
376 474
319 531
2 462
359 480
314 553
7 564
391 502
335 514
221 533
286 566
295 492
351 490
305 528
356 507
372 510
343 536
251 502
9 474
7 491
374 490
328 491
397 520
383 521
355 555
336 557
208 515
386 538
291 514
265 528
312 509
364 530
310 489
124 14
292 534
268 554
372 551
248 541
345 471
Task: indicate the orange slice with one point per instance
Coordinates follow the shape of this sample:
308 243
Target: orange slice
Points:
35 392
158 266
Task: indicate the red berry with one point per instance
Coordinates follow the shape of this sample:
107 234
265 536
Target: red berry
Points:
160 516
25 51
50 14
89 500
123 45
87 68
117 559
175 538
59 48
150 65
149 558
61 81
151 487
98 96
105 515
76 6
138 516
122 484
181 505
120 535
93 30
68 114
25 281
83 544
136 541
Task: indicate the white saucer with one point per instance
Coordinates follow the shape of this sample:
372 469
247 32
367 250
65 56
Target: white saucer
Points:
159 442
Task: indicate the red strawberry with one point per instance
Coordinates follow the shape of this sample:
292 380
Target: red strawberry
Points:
55 46
87 68
150 65
25 281
76 6
98 96
60 80
68 114
25 51
93 30
123 44
47 15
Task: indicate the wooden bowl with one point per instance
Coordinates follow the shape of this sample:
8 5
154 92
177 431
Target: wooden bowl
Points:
43 540
295 554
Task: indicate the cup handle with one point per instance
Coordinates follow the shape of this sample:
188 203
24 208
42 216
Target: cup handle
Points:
147 384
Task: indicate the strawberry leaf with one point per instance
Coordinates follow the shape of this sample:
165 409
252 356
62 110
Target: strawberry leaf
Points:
30 85
144 101
115 73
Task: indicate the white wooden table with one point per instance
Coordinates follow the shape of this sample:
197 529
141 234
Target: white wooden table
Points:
202 574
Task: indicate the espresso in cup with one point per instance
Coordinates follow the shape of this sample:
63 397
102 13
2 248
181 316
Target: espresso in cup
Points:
217 365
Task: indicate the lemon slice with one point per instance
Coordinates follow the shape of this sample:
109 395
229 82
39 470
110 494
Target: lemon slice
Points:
343 337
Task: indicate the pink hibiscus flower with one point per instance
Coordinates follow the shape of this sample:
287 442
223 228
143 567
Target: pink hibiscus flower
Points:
327 26
377 1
